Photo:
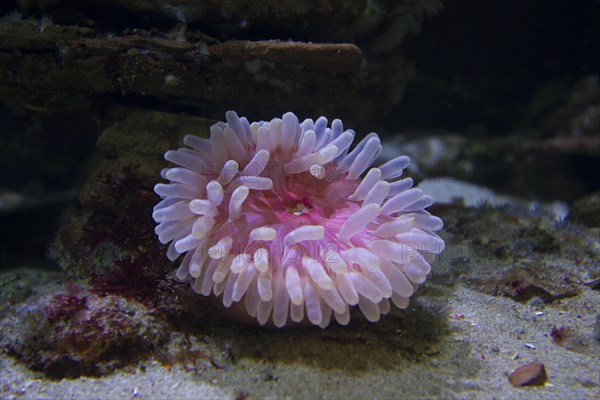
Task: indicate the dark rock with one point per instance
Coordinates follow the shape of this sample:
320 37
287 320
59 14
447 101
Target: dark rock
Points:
321 57
571 127
522 283
586 210
284 54
313 19
18 284
79 61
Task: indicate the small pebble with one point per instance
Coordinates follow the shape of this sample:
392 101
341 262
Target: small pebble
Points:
532 374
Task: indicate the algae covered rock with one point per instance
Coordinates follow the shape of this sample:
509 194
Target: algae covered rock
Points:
114 228
81 333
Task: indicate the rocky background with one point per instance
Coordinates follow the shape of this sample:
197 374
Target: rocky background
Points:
498 104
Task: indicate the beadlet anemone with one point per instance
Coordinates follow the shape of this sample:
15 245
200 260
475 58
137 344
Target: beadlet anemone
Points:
276 219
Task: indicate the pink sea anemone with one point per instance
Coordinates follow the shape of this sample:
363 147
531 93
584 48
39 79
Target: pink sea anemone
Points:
276 217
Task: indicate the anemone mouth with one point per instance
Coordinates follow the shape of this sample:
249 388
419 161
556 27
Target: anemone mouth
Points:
287 227
302 196
298 207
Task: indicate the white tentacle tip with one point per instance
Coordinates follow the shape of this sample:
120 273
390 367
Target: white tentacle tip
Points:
263 233
308 232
